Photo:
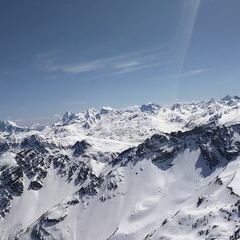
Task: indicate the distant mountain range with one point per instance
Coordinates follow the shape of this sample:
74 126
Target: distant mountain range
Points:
145 172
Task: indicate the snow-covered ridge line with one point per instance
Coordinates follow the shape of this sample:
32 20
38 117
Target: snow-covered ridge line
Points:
115 130
149 108
134 124
153 107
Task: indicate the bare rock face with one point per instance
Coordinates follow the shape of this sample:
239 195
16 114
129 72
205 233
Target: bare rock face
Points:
35 185
217 146
80 147
4 147
67 117
10 127
150 108
11 185
33 142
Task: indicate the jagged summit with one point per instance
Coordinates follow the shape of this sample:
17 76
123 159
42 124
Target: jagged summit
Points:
10 127
151 107
106 110
88 118
227 101
67 117
132 125
33 142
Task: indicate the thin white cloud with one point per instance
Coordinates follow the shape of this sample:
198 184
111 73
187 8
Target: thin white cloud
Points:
111 65
194 72
186 75
139 67
118 65
189 73
80 68
125 65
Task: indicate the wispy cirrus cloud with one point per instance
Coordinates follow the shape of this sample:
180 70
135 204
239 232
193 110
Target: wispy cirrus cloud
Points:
74 68
186 75
50 62
173 55
128 64
119 64
192 72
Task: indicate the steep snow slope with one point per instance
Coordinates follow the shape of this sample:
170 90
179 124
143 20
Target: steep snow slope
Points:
122 174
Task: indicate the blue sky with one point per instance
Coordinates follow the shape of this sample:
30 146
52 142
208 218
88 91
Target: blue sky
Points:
64 55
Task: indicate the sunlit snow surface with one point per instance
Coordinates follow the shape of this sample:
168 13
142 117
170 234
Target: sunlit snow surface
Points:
137 195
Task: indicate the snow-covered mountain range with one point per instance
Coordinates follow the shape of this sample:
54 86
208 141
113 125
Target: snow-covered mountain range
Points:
146 172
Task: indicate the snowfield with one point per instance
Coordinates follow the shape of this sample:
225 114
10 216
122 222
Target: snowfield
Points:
141 173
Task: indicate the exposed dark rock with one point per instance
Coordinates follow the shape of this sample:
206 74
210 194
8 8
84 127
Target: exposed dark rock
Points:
200 201
92 188
33 163
40 230
124 157
34 142
53 221
80 148
105 110
150 108
35 185
164 222
73 202
60 162
11 185
4 205
83 173
4 147
209 155
11 180
216 144
235 235
9 127
112 185
67 117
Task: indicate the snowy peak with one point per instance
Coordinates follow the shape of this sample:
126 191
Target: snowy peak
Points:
106 110
150 108
10 127
231 101
132 125
68 117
